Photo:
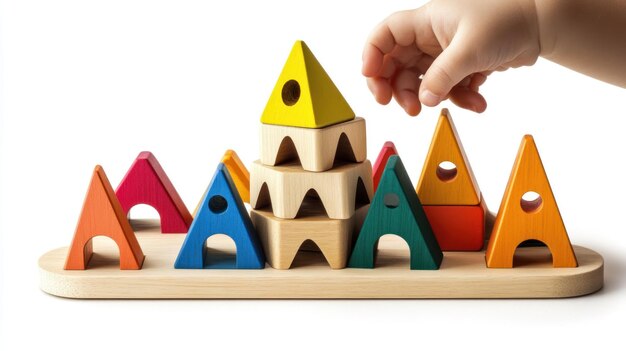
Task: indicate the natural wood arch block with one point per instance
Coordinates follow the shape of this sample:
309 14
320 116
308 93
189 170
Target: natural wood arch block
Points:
517 222
458 228
285 187
146 183
222 212
317 149
102 214
283 238
388 150
304 95
444 188
396 209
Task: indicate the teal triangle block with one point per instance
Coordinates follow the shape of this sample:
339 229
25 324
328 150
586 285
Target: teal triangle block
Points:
396 209
222 212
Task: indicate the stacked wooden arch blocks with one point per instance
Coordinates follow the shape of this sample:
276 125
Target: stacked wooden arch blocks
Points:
313 182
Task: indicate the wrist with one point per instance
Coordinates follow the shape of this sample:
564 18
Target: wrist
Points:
547 23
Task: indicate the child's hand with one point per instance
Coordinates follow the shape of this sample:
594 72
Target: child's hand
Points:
455 45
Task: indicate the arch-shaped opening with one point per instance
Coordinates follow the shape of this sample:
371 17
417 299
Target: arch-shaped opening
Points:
106 253
287 152
220 252
532 253
264 200
344 152
392 250
144 217
309 254
361 197
311 205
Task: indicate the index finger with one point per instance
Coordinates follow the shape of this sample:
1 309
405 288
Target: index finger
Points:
397 29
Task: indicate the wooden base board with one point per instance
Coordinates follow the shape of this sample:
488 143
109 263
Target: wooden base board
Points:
462 275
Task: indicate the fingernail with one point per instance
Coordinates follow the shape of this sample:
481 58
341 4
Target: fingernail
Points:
429 99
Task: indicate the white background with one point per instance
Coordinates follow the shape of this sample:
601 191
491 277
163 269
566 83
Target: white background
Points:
96 82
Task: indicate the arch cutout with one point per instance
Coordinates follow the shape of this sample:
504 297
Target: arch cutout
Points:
309 254
392 250
220 252
311 205
361 197
106 252
287 152
144 217
532 252
147 183
344 152
264 200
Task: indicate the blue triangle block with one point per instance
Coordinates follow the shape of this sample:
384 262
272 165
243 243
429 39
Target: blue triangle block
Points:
396 209
222 212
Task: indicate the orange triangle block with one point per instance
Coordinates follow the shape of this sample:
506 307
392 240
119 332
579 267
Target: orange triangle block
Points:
519 220
239 173
102 214
447 178
304 95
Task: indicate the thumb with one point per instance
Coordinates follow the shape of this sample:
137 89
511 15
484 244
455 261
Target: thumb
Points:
451 66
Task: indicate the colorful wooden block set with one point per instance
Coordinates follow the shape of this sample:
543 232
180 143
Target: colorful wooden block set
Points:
314 194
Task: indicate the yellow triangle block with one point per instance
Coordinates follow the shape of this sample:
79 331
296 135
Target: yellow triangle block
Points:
519 220
304 95
440 185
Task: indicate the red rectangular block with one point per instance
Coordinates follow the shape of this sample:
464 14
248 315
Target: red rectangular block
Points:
458 228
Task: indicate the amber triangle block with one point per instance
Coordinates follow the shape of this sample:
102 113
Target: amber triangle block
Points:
441 186
519 220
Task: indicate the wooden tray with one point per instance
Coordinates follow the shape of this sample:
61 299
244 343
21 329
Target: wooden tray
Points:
462 275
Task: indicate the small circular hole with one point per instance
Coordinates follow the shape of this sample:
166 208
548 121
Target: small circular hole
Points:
446 171
391 200
531 202
291 92
218 204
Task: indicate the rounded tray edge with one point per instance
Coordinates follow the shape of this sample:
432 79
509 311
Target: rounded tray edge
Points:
57 282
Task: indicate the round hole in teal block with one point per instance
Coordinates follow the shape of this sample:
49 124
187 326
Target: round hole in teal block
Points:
391 200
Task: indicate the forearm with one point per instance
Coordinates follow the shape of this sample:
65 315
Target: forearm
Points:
588 36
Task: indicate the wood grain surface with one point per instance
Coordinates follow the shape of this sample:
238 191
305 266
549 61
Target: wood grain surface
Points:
462 275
